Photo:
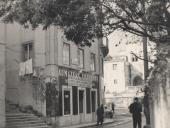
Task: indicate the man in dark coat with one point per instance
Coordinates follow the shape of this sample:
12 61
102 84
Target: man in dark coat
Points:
136 108
100 115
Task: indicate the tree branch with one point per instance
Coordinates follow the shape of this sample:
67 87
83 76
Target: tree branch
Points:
129 20
142 58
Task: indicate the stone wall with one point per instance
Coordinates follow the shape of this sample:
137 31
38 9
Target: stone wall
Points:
160 81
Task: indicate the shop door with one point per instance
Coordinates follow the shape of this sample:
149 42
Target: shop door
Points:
93 98
81 105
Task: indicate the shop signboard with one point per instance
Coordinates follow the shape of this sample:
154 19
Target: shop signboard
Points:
73 77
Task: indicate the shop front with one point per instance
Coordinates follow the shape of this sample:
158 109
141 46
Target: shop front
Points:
77 98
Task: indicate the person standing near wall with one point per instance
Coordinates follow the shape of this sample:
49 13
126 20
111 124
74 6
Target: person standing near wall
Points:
136 108
100 115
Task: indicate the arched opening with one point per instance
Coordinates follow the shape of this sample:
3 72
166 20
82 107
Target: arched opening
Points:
137 81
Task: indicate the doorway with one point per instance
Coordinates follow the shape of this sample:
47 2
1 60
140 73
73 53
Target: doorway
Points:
82 105
94 103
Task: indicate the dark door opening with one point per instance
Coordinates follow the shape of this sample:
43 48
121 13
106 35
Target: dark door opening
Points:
81 101
93 97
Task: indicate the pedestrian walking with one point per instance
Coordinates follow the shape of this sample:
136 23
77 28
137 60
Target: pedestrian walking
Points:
100 115
113 108
136 108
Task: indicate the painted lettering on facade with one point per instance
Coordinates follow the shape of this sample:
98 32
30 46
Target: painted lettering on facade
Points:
75 78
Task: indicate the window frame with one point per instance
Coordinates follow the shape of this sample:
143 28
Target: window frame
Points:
27 54
94 55
79 57
67 44
134 58
114 66
115 81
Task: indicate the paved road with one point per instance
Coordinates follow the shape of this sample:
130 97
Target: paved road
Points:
125 122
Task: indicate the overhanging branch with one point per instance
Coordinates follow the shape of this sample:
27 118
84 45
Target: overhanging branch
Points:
141 58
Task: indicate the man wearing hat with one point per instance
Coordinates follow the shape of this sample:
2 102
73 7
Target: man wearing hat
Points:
136 108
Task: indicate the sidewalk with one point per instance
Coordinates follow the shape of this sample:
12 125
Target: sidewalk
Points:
106 121
115 121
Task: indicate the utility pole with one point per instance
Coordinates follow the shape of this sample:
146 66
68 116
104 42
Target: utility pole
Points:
145 56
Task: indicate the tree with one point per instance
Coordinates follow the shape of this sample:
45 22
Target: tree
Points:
83 20
79 20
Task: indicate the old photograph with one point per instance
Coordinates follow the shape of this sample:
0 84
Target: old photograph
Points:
84 63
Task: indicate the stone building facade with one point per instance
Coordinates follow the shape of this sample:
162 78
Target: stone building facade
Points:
125 71
120 82
2 78
2 84
56 77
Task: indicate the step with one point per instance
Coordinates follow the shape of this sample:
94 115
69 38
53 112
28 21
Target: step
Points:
21 117
18 114
26 124
17 119
27 127
24 121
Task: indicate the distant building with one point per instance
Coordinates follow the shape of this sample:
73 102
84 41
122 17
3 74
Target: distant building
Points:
116 75
58 78
123 69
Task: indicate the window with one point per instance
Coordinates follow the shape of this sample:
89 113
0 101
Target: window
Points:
134 58
81 58
92 62
67 102
27 51
115 81
66 54
114 66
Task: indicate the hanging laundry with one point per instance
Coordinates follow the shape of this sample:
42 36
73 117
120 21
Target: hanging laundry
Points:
22 69
28 67
35 73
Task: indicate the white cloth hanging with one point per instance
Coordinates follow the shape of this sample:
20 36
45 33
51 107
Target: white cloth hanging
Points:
35 73
28 67
22 69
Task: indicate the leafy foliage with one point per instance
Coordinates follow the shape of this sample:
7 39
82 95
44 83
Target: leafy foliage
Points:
83 20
